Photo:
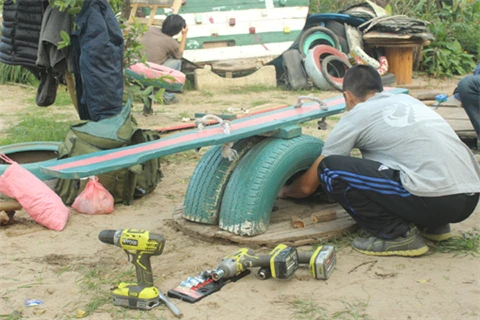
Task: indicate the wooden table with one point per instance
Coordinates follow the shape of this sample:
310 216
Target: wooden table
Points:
399 52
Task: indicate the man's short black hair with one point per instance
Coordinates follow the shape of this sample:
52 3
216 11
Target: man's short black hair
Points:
362 80
173 24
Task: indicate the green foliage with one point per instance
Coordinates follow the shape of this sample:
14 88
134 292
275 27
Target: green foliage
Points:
466 244
453 23
455 28
323 6
133 53
65 40
446 58
16 74
132 32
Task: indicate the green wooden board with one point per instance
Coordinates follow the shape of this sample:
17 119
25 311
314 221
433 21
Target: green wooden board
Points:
243 39
109 160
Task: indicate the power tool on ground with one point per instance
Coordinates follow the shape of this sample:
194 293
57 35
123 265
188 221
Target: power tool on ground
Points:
282 262
139 245
321 263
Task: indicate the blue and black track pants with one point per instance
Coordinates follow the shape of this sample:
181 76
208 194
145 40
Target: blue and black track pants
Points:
375 198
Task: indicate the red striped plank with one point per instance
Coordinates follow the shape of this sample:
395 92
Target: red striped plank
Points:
109 160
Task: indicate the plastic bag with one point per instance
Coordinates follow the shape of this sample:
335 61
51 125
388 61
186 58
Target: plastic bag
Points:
94 199
38 200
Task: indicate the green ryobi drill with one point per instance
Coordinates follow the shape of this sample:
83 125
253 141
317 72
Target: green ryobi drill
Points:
139 245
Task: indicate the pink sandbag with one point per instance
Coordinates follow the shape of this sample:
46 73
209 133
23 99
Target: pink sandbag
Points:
94 199
154 71
38 200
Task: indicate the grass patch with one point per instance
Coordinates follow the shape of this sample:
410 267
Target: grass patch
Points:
464 245
310 310
93 282
206 94
259 103
63 98
36 128
354 310
186 156
250 89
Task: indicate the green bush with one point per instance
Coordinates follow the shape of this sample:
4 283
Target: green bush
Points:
16 74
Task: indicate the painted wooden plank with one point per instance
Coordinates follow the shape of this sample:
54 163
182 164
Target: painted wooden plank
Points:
193 6
246 15
452 113
270 50
109 160
243 39
243 28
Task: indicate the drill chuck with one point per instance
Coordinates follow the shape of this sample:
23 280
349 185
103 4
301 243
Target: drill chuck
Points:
108 236
217 274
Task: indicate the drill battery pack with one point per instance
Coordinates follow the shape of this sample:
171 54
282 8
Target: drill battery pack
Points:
283 261
193 290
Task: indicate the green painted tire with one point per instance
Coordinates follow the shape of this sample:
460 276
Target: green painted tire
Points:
254 185
205 189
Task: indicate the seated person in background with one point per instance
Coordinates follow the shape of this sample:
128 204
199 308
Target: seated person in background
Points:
161 48
416 176
468 93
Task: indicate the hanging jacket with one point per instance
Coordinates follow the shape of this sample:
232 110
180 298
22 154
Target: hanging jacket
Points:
97 52
22 20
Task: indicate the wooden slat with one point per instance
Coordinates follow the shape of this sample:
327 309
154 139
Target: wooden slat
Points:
153 9
460 125
133 12
109 160
280 229
177 4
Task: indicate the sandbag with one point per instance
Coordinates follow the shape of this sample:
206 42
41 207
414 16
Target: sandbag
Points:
38 200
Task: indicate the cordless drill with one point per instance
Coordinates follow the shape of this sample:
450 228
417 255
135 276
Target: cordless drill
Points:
281 261
139 245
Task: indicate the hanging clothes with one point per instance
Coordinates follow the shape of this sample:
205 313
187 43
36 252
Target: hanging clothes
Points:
22 21
97 51
53 62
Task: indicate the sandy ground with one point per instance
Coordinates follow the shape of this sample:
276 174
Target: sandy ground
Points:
73 272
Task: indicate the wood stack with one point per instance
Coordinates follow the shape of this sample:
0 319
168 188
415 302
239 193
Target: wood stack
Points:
7 211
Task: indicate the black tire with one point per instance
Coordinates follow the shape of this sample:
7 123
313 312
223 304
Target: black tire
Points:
389 79
205 189
344 45
254 185
310 31
294 70
340 65
337 27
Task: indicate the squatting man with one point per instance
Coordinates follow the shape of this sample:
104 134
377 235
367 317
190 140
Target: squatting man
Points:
415 176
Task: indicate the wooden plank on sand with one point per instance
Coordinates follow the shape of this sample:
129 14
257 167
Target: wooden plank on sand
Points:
280 229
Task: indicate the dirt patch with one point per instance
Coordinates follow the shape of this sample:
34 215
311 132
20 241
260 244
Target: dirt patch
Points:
72 270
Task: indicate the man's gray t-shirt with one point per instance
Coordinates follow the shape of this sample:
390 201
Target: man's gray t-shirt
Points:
405 135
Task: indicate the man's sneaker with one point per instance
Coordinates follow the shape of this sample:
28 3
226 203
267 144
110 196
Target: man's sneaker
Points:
437 233
410 244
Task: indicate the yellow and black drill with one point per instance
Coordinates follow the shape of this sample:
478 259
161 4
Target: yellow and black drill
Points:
282 261
139 245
